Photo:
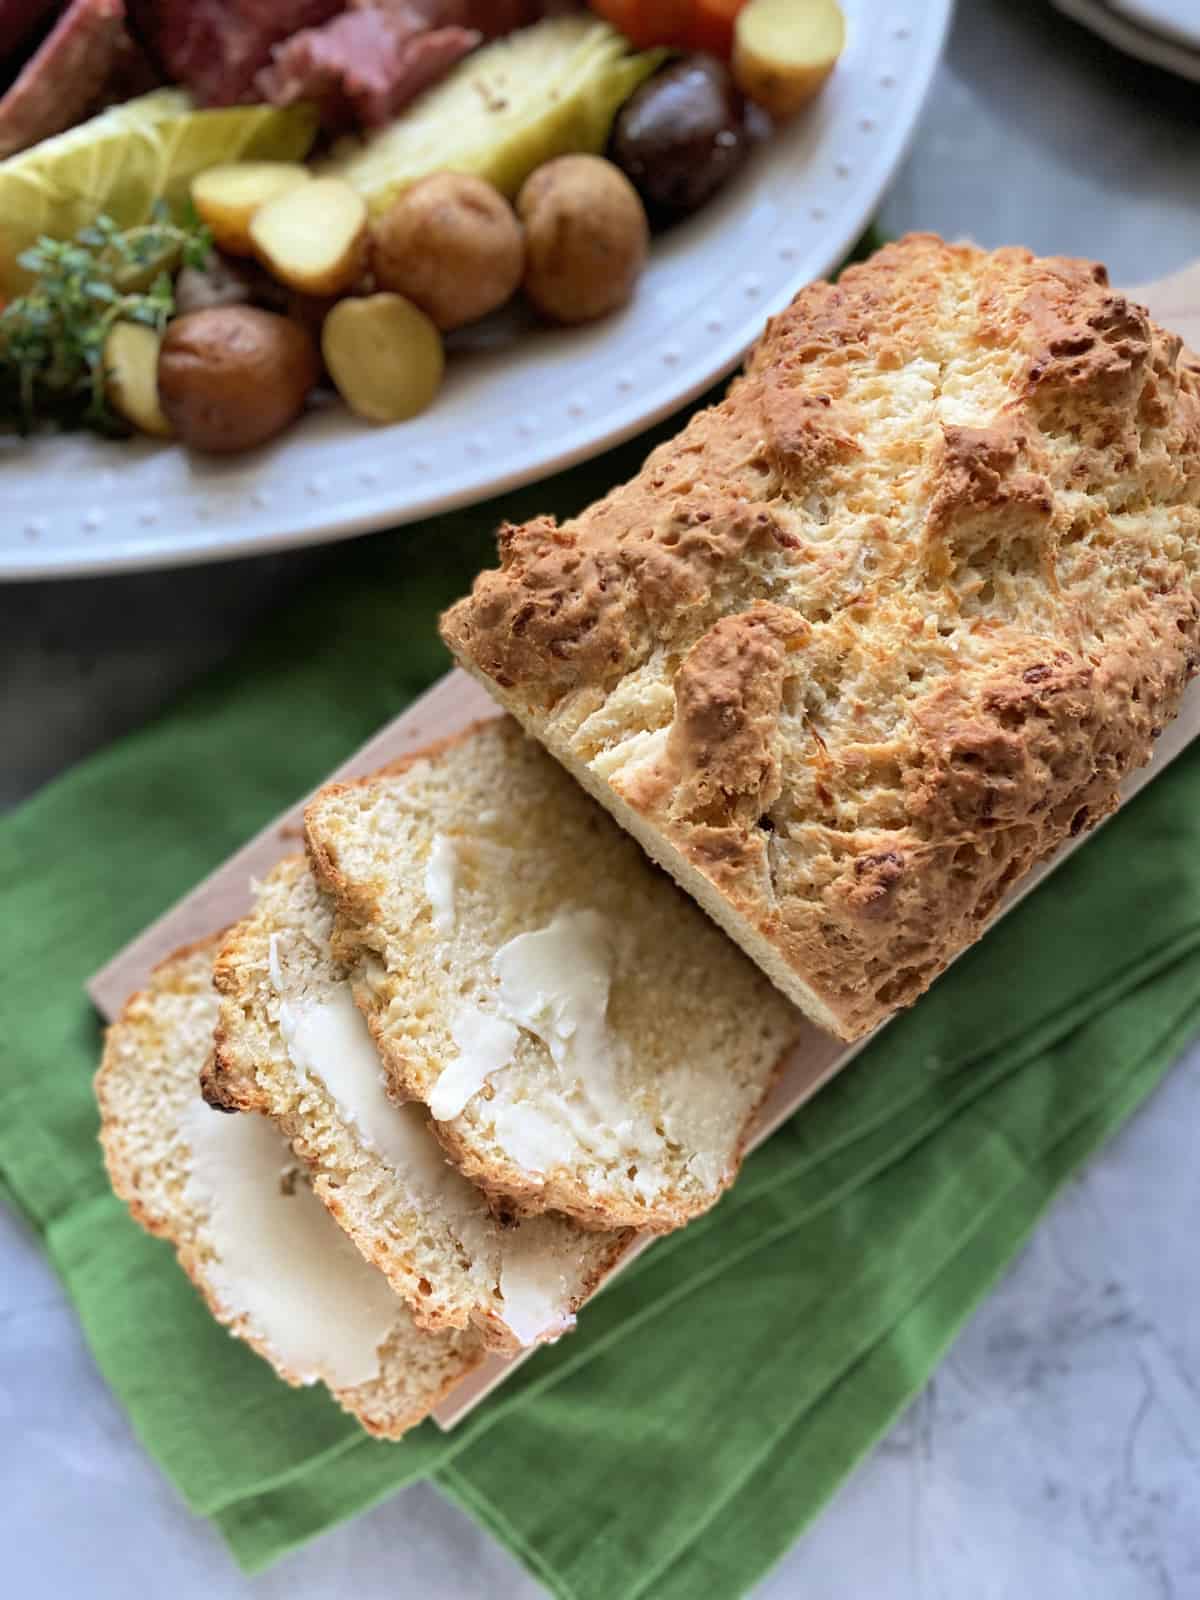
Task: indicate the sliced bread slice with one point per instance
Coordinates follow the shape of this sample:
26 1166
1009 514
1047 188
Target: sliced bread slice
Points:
291 1042
585 1038
271 1263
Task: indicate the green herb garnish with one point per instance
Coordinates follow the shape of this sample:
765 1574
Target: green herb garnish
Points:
52 337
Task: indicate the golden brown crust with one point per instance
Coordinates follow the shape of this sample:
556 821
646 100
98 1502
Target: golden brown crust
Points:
221 1084
882 629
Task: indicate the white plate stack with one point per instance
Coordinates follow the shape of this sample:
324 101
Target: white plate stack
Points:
1165 33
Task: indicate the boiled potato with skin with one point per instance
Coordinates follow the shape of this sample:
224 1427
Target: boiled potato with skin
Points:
586 238
453 246
384 355
314 237
228 196
131 354
783 51
233 377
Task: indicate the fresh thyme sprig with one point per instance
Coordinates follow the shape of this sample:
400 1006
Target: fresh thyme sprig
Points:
52 337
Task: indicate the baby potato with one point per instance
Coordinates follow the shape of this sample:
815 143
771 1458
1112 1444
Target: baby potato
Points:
131 377
233 377
384 355
227 197
783 51
453 246
586 238
313 238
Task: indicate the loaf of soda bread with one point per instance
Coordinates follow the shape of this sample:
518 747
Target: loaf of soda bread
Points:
270 1261
882 629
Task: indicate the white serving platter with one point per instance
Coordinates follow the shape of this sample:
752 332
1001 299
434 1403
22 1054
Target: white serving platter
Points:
518 404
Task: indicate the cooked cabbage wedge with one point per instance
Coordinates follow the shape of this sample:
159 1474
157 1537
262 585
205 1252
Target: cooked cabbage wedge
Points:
543 91
128 158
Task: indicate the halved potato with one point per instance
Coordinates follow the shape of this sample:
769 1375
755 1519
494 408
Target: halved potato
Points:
384 355
783 51
226 197
314 237
131 377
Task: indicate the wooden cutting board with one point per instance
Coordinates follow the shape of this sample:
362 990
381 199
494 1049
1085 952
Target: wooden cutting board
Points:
454 703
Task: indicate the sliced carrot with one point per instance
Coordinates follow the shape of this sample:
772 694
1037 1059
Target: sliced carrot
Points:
711 27
621 13
647 22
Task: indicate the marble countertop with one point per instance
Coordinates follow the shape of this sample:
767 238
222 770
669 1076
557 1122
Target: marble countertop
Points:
1056 1453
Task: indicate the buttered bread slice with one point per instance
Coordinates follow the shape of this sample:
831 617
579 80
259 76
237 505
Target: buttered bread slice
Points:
270 1261
885 627
291 1042
585 1039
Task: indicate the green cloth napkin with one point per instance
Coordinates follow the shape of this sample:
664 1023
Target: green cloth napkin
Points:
718 1391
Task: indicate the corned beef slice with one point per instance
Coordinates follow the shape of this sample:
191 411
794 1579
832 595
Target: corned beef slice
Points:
368 63
364 66
64 79
216 47
132 73
491 18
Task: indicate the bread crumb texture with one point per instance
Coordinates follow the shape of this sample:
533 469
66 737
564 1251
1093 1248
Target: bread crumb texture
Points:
638 1116
397 1196
148 1088
878 632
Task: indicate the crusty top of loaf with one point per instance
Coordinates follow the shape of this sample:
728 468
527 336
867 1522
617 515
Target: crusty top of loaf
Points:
877 632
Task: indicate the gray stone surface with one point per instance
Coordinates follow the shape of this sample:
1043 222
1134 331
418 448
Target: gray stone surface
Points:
1056 1454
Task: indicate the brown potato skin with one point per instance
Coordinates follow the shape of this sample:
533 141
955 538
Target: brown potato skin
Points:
586 238
233 377
452 245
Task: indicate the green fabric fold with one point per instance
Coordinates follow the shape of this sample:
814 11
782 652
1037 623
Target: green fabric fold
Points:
719 1390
